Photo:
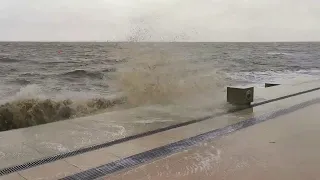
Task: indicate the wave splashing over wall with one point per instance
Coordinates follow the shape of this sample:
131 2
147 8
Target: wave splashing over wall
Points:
26 112
157 78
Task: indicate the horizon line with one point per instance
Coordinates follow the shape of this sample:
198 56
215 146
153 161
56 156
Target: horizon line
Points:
1 41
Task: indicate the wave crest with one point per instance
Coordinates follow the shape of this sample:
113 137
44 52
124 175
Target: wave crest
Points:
8 60
79 73
31 112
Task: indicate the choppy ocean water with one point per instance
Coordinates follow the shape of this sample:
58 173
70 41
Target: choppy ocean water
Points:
54 81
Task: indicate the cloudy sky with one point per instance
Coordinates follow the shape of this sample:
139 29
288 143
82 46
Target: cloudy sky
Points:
160 20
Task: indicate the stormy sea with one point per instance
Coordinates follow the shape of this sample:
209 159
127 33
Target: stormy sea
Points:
42 82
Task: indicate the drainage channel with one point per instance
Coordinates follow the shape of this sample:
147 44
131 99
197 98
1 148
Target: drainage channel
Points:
53 158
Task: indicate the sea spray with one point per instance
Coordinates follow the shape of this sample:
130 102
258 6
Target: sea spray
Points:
151 77
156 77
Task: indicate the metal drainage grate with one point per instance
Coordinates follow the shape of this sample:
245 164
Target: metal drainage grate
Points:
50 159
176 147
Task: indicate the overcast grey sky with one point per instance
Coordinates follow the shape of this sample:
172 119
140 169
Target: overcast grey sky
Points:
155 20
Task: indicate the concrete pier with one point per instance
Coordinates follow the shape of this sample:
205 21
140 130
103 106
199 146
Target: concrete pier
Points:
273 140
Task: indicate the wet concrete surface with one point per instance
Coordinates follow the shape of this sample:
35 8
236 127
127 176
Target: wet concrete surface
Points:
283 148
23 145
17 153
263 94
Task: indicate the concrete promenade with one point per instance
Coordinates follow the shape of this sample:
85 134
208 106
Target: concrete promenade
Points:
278 140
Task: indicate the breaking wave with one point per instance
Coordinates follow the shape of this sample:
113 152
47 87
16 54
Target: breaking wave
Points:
280 53
8 60
22 82
109 70
29 109
151 78
83 74
157 78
